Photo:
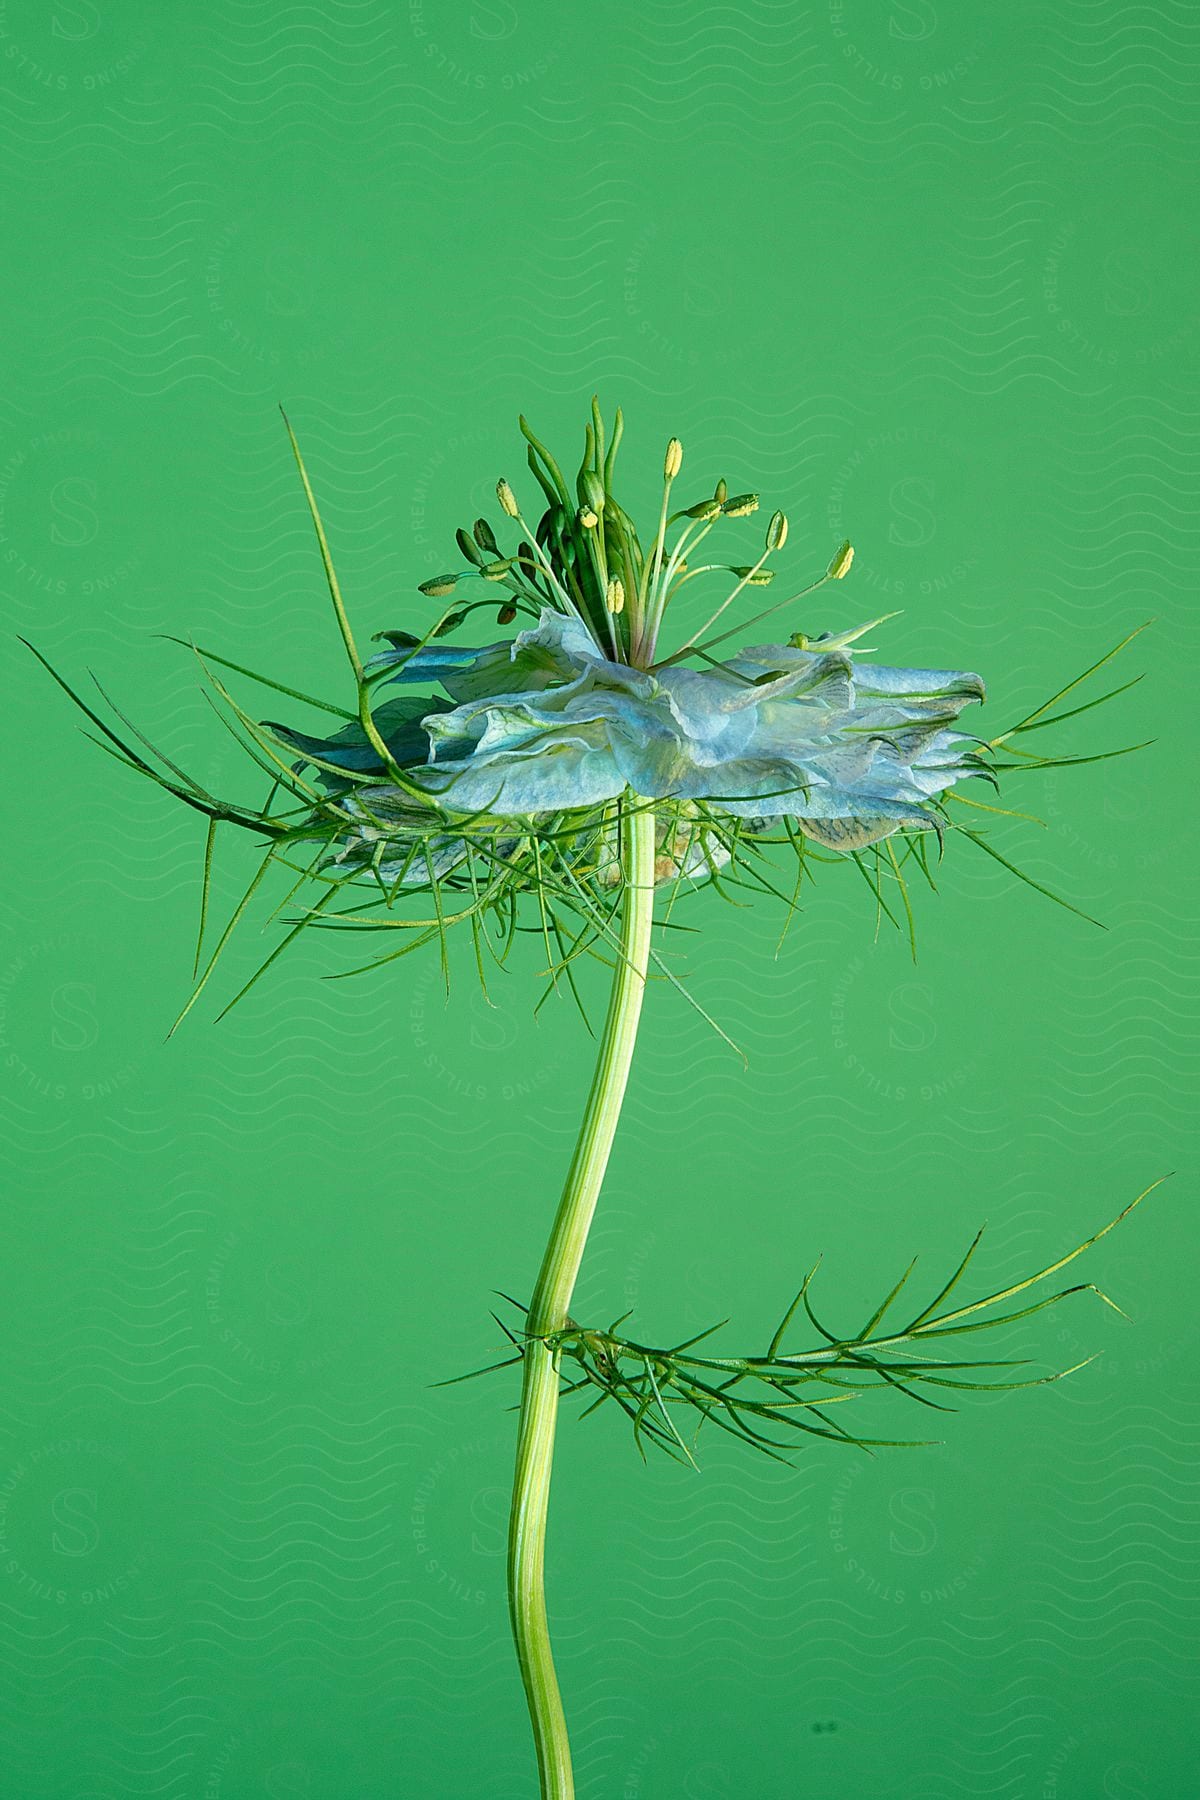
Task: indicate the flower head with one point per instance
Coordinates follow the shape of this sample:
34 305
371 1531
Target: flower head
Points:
547 722
480 775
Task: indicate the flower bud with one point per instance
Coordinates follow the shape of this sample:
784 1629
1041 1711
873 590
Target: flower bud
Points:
616 594
506 615
740 505
439 587
753 577
703 509
840 565
468 546
799 640
593 494
451 622
496 571
507 499
777 531
721 491
587 518
673 461
485 537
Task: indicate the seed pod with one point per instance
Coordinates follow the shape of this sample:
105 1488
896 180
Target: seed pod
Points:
840 566
616 595
485 537
468 546
506 615
777 531
507 499
439 586
673 460
740 505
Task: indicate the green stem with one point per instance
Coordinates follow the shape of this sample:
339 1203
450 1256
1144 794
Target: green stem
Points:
549 1309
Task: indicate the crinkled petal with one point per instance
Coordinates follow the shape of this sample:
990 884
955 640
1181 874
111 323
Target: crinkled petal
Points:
548 771
568 640
559 648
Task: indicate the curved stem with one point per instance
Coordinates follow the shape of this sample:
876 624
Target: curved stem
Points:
548 1312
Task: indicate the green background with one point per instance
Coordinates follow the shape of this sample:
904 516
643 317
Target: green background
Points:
924 274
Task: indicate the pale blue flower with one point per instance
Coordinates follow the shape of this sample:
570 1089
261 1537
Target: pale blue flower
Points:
546 722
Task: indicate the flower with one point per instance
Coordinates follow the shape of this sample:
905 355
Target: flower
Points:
547 723
506 802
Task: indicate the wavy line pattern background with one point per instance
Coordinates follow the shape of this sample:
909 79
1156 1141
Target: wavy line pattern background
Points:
926 275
